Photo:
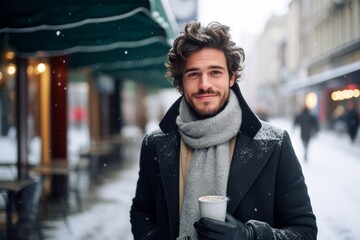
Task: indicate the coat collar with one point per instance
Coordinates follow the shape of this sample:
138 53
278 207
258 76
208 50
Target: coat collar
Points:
250 124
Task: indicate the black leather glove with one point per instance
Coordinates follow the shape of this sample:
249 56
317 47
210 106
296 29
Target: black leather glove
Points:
231 229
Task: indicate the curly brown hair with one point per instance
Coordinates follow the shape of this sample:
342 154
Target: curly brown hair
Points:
196 37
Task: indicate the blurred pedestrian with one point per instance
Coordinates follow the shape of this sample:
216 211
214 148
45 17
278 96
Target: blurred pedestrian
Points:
308 128
337 121
351 119
211 143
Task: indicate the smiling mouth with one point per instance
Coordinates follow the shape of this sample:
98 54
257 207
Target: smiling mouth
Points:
205 97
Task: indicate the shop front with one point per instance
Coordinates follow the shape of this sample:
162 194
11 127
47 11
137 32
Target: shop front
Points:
330 93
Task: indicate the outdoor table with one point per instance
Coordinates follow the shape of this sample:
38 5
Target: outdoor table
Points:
12 187
11 167
55 168
61 167
123 147
95 153
8 164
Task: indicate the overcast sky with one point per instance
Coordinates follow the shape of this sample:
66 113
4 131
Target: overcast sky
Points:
243 16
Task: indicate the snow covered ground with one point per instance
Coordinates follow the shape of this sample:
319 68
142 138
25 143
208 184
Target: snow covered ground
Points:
108 218
332 174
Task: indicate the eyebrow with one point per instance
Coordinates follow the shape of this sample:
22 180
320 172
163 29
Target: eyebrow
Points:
211 67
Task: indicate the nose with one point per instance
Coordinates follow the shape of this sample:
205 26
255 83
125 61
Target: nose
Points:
204 82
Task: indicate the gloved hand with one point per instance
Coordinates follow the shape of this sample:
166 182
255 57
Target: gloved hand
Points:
231 229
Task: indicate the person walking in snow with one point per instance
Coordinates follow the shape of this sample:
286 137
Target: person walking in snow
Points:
351 119
309 126
211 143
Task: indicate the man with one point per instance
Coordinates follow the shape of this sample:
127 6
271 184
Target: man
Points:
351 118
309 126
211 143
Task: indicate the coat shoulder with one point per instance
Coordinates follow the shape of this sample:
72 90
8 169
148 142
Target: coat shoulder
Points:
152 135
158 136
269 131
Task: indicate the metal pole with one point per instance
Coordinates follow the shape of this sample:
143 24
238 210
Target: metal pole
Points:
21 117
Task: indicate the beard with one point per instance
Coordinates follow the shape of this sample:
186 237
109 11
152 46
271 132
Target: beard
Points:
206 111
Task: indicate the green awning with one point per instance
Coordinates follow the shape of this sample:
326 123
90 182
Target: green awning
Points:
123 38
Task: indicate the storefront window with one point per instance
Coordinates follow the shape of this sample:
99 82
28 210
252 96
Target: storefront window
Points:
78 118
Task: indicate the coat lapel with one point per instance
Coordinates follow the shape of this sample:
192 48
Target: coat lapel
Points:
249 158
168 148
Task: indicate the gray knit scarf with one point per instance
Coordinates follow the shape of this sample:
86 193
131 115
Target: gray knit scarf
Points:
209 169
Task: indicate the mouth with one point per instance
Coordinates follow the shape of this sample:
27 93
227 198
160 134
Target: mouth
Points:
206 96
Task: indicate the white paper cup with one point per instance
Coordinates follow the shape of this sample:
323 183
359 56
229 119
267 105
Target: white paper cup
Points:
213 207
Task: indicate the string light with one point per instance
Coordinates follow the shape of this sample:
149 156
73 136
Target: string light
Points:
345 94
41 67
11 69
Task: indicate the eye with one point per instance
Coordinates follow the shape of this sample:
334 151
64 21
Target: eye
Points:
192 75
216 73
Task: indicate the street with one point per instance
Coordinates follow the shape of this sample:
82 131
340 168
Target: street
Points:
331 173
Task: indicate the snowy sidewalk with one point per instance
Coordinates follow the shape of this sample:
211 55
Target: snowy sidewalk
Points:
331 173
108 217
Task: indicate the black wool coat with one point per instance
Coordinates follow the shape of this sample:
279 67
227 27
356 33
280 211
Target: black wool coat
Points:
266 185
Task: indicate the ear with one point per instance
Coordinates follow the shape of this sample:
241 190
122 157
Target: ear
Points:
232 79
